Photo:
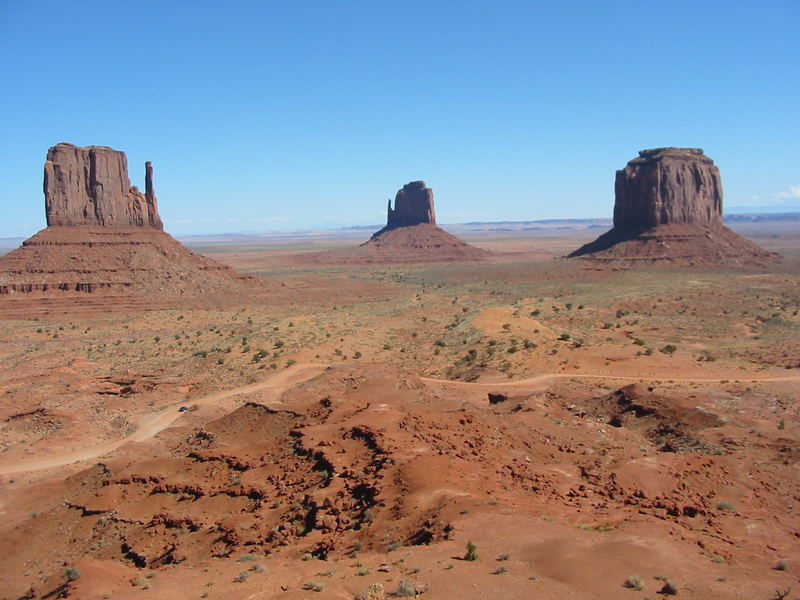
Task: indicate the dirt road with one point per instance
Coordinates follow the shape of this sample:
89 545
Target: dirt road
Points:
550 376
151 424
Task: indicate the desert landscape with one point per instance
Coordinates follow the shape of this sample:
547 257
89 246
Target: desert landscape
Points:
504 410
371 301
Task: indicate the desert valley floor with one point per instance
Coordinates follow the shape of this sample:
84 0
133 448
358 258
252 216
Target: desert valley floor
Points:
595 432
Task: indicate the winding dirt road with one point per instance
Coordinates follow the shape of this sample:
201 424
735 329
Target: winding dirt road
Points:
550 376
151 424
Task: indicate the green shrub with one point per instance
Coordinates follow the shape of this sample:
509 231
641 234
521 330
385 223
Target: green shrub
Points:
471 552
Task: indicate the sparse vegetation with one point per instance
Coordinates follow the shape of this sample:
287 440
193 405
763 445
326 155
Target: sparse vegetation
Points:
249 557
668 589
405 589
634 582
313 586
472 553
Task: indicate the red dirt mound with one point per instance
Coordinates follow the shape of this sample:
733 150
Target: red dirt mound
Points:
674 244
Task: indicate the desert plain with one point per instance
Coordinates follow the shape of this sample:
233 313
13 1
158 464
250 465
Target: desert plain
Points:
593 431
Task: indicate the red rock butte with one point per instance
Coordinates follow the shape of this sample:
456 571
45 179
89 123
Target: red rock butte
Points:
413 205
668 209
104 247
90 186
410 236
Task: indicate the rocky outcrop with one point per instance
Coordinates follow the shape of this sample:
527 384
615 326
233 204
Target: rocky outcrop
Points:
104 248
668 185
668 209
90 186
413 205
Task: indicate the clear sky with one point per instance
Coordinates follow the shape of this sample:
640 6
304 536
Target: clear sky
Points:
301 114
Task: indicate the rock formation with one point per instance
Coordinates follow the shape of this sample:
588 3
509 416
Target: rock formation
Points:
668 208
410 236
90 186
668 185
413 205
104 247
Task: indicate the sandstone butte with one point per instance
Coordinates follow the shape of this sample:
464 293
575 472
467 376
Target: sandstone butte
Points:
668 209
413 205
104 246
410 236
90 186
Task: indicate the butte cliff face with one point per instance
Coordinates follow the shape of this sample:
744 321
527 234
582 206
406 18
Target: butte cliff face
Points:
90 186
668 208
104 247
668 185
413 205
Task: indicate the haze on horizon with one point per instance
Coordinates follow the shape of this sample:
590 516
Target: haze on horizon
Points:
265 116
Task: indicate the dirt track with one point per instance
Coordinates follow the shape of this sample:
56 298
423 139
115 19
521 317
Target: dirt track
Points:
153 423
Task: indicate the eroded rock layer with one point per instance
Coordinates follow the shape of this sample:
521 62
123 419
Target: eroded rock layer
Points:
108 268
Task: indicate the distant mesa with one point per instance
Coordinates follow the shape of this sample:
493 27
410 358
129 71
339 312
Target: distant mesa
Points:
410 236
104 247
668 209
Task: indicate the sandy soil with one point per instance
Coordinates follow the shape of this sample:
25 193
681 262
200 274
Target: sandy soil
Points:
642 428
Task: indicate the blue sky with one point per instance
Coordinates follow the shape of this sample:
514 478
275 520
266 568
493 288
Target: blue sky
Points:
303 114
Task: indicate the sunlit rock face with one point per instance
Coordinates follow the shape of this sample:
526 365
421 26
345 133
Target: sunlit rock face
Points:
90 186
